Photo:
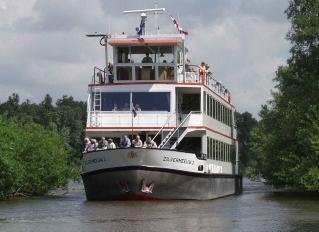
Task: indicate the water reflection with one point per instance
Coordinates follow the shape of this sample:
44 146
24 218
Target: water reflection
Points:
257 209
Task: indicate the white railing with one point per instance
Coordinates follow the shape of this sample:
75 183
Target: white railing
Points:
124 119
142 119
210 81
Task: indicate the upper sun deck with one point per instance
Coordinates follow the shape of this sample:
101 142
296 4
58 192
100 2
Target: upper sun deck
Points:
152 59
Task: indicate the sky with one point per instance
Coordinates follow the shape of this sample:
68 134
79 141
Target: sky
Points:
44 50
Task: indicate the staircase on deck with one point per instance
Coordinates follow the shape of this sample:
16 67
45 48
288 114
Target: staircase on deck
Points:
176 135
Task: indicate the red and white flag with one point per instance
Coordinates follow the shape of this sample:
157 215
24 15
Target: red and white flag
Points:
180 30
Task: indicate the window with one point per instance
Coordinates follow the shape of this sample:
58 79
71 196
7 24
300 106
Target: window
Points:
123 55
154 101
124 73
151 54
218 111
204 102
214 149
208 147
210 106
211 146
214 108
115 101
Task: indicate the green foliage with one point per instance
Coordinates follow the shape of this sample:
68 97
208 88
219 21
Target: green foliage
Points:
33 160
245 123
286 141
67 117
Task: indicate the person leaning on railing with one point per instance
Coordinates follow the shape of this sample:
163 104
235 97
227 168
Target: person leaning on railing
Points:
111 144
102 144
137 142
149 143
202 72
86 144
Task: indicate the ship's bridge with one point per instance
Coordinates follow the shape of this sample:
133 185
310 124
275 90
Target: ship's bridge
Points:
147 59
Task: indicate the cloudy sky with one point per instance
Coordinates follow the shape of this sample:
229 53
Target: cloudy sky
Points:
43 46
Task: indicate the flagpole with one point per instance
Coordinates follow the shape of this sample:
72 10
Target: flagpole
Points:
132 125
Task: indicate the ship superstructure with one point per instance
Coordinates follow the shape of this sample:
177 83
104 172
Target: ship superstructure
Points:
150 89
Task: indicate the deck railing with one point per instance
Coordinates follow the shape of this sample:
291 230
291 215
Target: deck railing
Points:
126 119
102 76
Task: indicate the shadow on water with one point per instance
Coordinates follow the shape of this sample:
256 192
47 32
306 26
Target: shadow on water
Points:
259 208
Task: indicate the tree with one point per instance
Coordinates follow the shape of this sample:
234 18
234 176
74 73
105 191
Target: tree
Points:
67 117
286 140
33 160
245 123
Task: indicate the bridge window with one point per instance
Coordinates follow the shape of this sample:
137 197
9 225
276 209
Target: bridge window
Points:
124 73
115 101
152 101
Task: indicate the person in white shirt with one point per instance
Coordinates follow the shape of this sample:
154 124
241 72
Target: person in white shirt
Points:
137 142
111 144
149 143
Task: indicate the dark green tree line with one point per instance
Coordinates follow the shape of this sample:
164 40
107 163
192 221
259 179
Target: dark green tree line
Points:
245 123
66 117
286 140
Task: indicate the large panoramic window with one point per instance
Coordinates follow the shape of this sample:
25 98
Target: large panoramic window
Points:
155 101
115 101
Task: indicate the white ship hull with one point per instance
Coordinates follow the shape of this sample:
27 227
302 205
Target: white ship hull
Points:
146 174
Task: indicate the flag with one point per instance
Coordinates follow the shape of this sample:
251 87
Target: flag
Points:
134 111
179 28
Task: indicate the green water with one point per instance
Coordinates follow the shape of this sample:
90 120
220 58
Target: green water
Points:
257 209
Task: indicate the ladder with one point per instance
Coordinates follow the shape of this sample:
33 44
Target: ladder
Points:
176 133
97 106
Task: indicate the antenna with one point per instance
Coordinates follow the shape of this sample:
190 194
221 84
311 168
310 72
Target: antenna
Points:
142 29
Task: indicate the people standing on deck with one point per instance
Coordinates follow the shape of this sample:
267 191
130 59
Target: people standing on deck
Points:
93 145
110 68
111 144
137 107
164 72
202 72
86 144
137 142
125 142
147 59
115 107
149 143
102 144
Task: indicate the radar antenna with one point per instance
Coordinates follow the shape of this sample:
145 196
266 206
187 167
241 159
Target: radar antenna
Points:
142 29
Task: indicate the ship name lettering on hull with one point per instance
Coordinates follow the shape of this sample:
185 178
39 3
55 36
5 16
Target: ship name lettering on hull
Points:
178 160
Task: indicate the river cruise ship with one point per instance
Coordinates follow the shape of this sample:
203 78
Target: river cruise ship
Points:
150 89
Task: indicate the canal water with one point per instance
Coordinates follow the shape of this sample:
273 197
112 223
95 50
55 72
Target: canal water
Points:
257 209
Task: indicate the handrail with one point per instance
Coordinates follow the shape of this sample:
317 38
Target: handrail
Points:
102 78
168 118
180 125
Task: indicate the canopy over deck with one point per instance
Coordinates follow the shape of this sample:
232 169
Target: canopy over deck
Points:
145 41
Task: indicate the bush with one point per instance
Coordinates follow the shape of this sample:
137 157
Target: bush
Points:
33 160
